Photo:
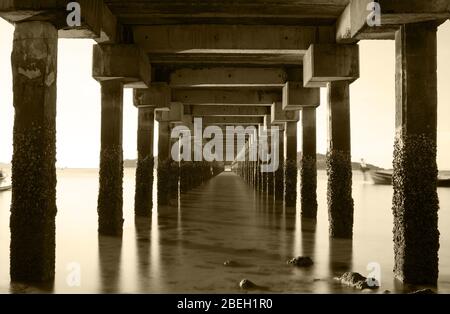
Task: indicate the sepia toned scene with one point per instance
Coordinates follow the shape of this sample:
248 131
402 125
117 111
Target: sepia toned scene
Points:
225 147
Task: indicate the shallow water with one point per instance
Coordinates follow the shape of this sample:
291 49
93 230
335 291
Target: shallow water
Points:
182 249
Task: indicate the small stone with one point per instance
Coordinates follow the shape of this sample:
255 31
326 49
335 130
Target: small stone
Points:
358 281
386 292
301 261
230 263
246 284
423 291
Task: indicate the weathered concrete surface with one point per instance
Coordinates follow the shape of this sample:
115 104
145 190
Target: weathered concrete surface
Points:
290 164
415 202
352 24
229 111
339 168
278 115
144 172
279 173
226 97
97 21
110 197
325 63
33 204
164 163
297 97
157 95
227 76
125 62
308 170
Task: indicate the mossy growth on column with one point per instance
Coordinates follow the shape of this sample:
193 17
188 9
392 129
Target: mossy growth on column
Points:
110 199
143 201
290 183
415 209
339 194
279 182
308 194
163 182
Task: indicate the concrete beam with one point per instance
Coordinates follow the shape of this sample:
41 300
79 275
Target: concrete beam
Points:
297 97
156 95
174 115
227 111
125 62
216 77
226 97
97 21
278 115
352 24
324 63
232 120
229 43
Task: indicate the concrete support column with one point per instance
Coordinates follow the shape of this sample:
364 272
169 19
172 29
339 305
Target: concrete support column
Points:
415 202
143 201
110 198
163 163
270 175
279 173
174 171
308 170
290 164
339 167
33 204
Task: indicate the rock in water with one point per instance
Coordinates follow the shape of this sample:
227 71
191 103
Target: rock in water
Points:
246 284
358 281
301 261
230 264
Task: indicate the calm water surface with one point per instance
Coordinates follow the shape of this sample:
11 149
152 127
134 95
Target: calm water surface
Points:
183 248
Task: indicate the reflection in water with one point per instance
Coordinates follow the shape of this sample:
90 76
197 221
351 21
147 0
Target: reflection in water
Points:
182 249
110 254
340 256
143 229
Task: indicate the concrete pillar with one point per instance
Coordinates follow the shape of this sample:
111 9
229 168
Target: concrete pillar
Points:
270 175
290 164
308 170
174 173
110 198
33 204
339 167
143 201
415 202
279 173
163 163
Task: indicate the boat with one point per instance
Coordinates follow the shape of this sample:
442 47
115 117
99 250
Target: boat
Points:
384 177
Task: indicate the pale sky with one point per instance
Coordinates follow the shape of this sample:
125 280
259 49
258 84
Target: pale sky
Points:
78 118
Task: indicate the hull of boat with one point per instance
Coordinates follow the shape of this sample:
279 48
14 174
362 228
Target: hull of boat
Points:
385 178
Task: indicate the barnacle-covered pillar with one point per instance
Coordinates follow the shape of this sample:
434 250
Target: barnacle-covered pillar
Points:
339 166
33 204
110 198
290 164
143 201
279 173
164 162
308 170
415 202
